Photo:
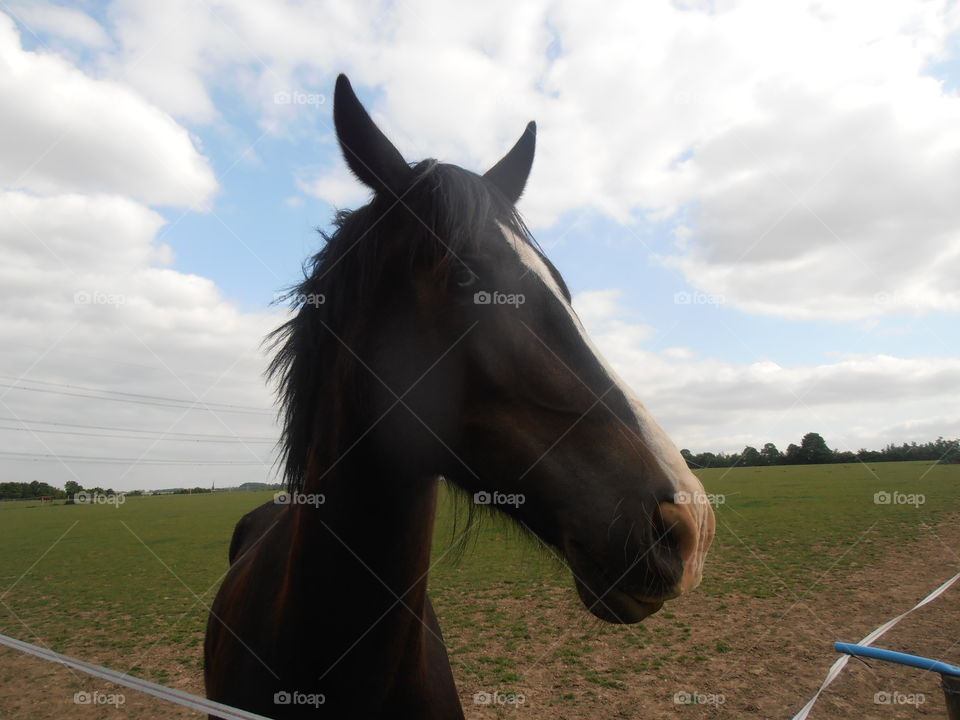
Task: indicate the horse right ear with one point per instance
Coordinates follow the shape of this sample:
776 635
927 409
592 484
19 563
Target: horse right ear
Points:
370 156
511 172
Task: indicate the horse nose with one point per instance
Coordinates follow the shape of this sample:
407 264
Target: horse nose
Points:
690 524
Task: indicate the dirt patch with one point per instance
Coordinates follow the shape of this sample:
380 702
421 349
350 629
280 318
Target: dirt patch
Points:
739 656
31 688
538 655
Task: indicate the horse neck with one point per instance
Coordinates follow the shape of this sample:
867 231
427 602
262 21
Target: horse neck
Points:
372 533
354 595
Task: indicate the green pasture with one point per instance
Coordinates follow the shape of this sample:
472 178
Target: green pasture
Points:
113 583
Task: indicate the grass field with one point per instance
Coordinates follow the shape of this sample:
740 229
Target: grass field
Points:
113 584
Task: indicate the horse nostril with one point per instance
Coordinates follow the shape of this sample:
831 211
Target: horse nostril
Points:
680 525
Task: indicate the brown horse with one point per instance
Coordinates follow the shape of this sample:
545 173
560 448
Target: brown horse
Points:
434 340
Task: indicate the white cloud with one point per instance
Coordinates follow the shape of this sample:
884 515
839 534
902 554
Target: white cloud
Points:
86 302
89 299
601 310
163 50
833 212
810 163
63 131
336 186
63 22
817 160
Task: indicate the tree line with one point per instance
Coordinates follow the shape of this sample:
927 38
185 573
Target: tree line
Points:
35 490
813 450
28 490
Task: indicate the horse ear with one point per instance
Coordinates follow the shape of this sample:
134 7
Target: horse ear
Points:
371 157
511 172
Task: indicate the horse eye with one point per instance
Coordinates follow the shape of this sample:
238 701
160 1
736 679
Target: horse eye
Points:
464 276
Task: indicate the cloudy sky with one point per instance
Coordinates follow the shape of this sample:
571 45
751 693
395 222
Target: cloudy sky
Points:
756 205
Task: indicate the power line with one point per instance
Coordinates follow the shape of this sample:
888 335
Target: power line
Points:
125 394
185 404
100 358
238 441
134 461
29 421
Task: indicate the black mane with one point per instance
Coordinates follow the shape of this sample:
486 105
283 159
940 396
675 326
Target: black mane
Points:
441 218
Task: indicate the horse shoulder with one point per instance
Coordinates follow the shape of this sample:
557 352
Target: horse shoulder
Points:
252 527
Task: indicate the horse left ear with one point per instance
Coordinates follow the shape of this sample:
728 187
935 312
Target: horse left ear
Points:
371 157
511 172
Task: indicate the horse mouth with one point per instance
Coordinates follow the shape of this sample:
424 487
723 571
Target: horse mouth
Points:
617 606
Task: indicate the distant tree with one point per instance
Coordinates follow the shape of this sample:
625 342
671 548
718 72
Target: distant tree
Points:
750 456
814 450
770 454
11 490
72 487
258 486
707 459
724 460
950 448
22 490
792 455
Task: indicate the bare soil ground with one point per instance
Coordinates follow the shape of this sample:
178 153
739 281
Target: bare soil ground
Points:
761 657
701 657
